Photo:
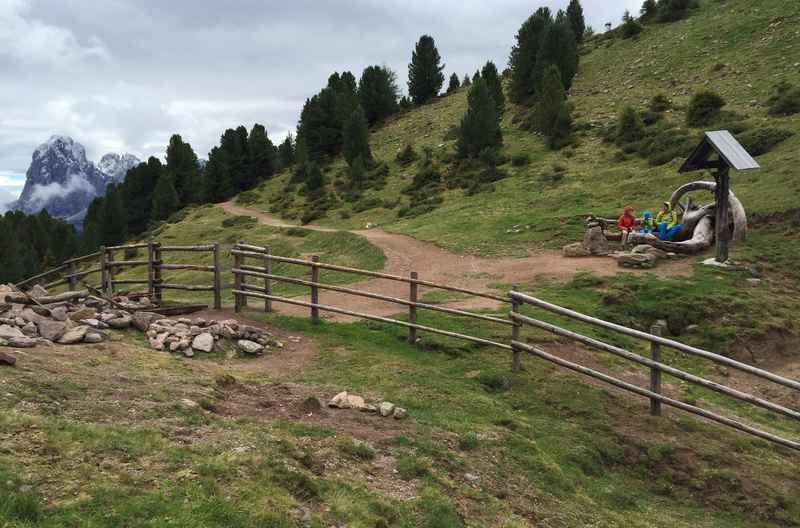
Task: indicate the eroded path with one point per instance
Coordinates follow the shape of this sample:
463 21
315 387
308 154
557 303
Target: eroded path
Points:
405 254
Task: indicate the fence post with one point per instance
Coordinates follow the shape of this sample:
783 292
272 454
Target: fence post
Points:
267 281
314 289
237 281
242 281
655 374
103 269
412 310
150 268
72 269
157 261
110 272
515 363
217 280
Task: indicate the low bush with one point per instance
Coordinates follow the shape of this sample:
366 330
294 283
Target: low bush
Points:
367 203
520 160
247 198
762 140
631 28
355 449
409 467
239 221
468 441
629 126
704 108
494 381
784 101
406 156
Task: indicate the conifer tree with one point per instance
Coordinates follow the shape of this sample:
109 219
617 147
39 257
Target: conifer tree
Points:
165 198
551 113
425 76
113 218
358 173
262 156
182 164
524 53
494 84
405 103
377 93
649 11
454 84
137 193
356 138
286 152
576 21
467 81
559 48
218 179
90 237
629 126
315 180
480 127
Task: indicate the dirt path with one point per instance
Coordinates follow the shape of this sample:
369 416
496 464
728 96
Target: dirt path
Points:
404 254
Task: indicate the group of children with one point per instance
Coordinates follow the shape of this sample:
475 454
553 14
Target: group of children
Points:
665 225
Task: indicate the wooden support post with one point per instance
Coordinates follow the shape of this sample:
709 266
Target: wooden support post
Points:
150 268
110 273
655 374
103 269
267 281
314 289
72 269
157 275
412 310
237 283
217 280
515 361
242 281
723 234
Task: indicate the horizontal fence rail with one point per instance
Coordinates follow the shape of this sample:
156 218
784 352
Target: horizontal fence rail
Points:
656 366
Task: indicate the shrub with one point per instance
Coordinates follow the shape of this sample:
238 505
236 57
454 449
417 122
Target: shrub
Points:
520 159
631 27
247 198
762 140
650 118
468 441
494 381
674 10
367 203
629 126
359 450
659 103
409 467
704 108
297 232
785 100
406 156
239 221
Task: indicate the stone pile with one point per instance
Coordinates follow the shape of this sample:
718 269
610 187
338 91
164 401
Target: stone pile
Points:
86 319
345 400
643 256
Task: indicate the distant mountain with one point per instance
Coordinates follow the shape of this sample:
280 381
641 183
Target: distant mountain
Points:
61 179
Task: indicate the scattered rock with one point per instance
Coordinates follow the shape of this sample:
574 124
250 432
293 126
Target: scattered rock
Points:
22 342
203 343
636 260
311 405
52 330
143 320
575 250
399 413
343 400
386 408
471 477
189 404
94 337
59 313
30 330
7 331
754 281
120 323
73 336
595 242
369 408
250 347
7 359
38 291
83 313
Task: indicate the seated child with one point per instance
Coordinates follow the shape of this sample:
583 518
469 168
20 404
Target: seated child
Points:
667 221
648 224
626 223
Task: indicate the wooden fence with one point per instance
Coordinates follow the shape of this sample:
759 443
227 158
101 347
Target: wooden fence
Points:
109 266
517 321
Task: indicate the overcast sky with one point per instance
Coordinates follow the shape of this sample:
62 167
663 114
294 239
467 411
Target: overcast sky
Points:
123 75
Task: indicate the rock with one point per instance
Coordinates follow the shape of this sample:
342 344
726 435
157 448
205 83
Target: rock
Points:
174 346
189 404
343 400
29 316
636 260
107 316
83 313
386 408
751 281
249 347
228 332
52 330
30 330
4 289
38 291
94 337
120 323
595 242
73 336
7 359
7 331
575 250
188 352
399 413
311 405
94 323
22 342
59 313
471 477
203 343
369 408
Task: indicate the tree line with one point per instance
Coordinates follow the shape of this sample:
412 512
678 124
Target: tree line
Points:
30 244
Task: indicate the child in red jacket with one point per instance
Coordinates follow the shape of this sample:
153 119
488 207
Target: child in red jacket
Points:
626 223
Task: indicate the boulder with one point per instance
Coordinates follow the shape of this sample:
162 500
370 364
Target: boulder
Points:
29 316
94 337
73 336
6 359
52 330
30 330
636 260
83 313
386 408
399 413
250 347
143 320
120 323
645 249
22 342
595 242
59 313
203 343
38 291
575 249
188 352
7 331
343 400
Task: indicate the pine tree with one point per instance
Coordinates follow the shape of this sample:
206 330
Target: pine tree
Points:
377 92
315 180
182 164
480 126
454 85
262 156
358 173
629 126
559 48
165 198
476 76
576 21
492 79
356 138
405 103
218 179
551 114
137 193
286 152
234 143
90 237
467 81
113 218
425 76
524 53
630 26
649 11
